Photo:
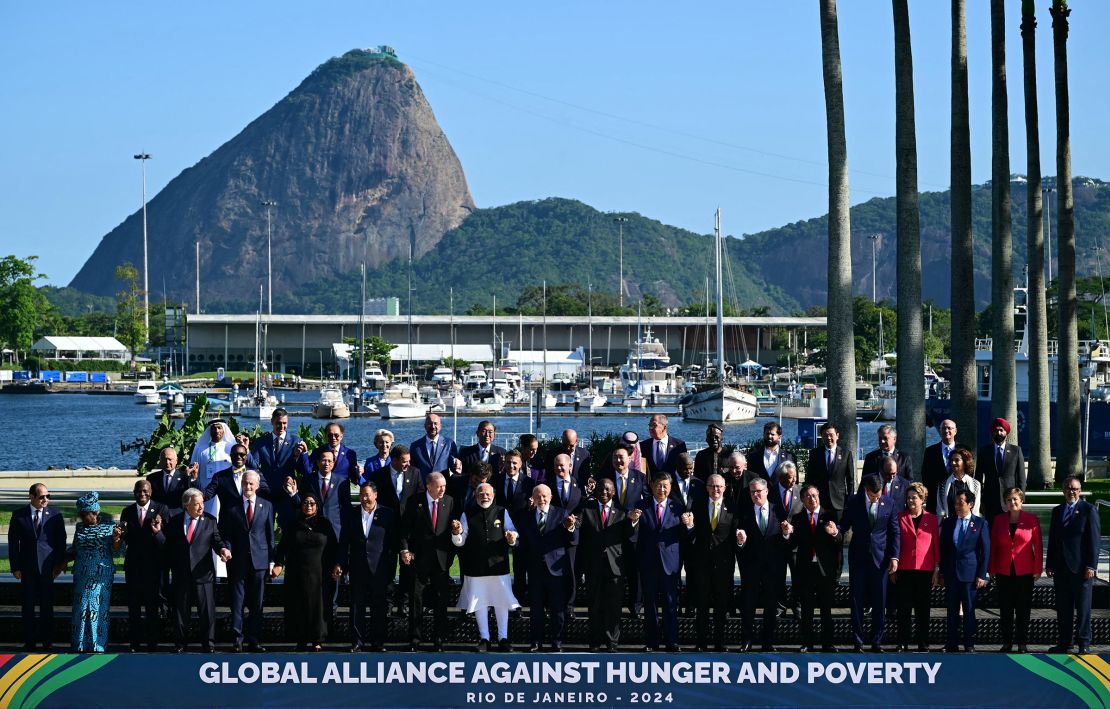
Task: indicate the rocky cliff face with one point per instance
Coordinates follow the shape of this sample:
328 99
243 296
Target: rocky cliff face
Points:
357 164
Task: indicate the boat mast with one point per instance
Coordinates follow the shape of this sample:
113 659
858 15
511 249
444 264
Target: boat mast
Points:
362 333
409 327
543 378
720 302
257 328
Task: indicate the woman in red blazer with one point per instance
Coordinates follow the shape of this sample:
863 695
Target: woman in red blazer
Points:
1016 558
917 560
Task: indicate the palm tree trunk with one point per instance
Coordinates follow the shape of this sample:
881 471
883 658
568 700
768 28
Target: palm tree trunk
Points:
1036 323
1068 454
1003 393
963 271
911 350
841 368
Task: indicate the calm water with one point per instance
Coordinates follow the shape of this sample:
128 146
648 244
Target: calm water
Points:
79 430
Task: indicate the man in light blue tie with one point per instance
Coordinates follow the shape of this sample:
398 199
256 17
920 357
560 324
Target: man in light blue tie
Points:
964 559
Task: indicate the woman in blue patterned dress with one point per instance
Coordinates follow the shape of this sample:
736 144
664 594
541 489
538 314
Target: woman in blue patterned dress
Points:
93 572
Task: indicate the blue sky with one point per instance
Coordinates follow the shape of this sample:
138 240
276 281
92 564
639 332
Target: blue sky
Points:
652 107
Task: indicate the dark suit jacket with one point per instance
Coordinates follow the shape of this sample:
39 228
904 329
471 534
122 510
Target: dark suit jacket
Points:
411 486
191 563
252 547
873 545
675 447
445 452
142 548
459 490
547 551
470 455
873 462
579 464
637 490
775 498
170 497
697 495
369 558
828 549
431 547
522 490
1073 546
707 463
714 550
996 481
971 558
835 485
574 495
764 553
933 473
602 548
275 468
36 554
222 485
346 463
660 542
756 466
899 487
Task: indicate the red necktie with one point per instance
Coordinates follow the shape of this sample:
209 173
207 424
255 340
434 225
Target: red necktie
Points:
324 488
192 528
250 512
141 516
604 516
435 514
659 513
786 502
813 523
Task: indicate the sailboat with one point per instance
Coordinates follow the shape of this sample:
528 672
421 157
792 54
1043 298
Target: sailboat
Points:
401 399
719 402
258 405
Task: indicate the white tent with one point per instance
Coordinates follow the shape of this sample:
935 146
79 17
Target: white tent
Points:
531 362
59 347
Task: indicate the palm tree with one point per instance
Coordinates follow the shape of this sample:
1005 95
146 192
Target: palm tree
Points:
1036 323
911 351
841 326
1068 455
963 272
1003 393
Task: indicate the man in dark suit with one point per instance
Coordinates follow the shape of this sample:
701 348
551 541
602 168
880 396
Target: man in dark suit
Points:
872 556
531 465
934 464
276 454
893 485
784 496
764 459
346 459
686 488
426 548
999 467
367 547
737 479
833 470
433 452
333 493
662 525
1073 544
818 547
513 491
485 450
463 488
629 489
965 551
762 559
579 457
227 484
547 532
712 562
36 553
248 528
566 494
872 462
397 484
168 482
189 540
606 533
142 566
660 450
711 460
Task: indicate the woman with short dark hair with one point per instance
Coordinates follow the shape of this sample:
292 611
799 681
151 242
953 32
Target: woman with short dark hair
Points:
1016 562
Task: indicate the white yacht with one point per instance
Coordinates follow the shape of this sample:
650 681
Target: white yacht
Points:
146 392
649 370
402 401
475 377
812 402
590 398
331 404
374 377
486 401
443 375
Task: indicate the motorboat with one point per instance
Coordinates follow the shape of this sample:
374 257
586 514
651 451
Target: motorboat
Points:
402 401
591 399
146 392
486 401
374 377
649 370
475 377
443 375
331 404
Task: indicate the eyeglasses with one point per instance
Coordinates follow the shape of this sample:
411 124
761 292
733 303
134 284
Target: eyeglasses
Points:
42 497
335 435
238 455
1074 489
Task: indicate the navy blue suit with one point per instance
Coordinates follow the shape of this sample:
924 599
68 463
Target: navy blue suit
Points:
252 550
222 485
170 495
637 490
762 561
550 565
346 462
412 487
276 463
193 572
472 454
579 464
675 447
142 568
961 566
369 561
898 487
1072 549
372 465
34 554
659 557
438 462
869 555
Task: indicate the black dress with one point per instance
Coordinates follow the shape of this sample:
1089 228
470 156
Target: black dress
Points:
307 550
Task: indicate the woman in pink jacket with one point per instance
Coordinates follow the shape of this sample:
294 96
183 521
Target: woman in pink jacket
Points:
1017 554
917 560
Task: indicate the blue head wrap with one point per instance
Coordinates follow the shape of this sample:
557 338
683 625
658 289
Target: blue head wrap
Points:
89 502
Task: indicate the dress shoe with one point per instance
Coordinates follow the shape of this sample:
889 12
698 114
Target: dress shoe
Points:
413 647
483 645
859 648
503 645
805 648
745 647
923 648
969 648
237 647
877 649
377 647
829 648
557 647
1082 649
317 648
767 648
571 614
951 648
610 648
179 649
357 647
701 648
595 648
1022 649
673 648
28 647
209 650
902 648
437 646
534 647
134 647
720 648
650 648
152 647
1058 649
1006 649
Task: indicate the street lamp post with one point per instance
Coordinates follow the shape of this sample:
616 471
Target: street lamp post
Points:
268 204
620 245
142 158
